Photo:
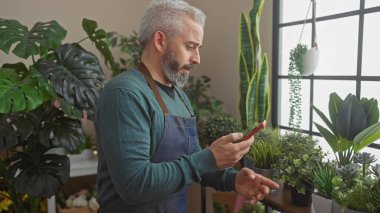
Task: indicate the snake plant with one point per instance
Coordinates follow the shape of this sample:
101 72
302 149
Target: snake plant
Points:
253 69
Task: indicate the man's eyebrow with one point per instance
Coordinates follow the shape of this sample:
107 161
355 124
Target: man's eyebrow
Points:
194 43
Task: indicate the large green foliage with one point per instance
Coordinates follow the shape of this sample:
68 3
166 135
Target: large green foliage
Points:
253 69
41 105
353 125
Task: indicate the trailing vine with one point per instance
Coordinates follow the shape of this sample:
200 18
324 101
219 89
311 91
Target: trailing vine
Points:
295 71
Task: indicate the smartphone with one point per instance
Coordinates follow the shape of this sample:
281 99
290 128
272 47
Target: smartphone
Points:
254 130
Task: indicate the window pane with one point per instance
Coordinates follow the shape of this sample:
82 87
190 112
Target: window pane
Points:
329 7
370 89
322 91
290 37
285 106
372 3
371 45
294 10
337 41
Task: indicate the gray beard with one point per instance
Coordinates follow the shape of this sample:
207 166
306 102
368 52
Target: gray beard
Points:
171 67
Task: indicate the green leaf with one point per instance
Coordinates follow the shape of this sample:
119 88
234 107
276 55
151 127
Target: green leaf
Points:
350 119
331 139
246 45
17 127
17 93
42 37
39 175
76 76
335 103
326 120
62 132
366 137
250 104
244 84
262 91
371 110
99 37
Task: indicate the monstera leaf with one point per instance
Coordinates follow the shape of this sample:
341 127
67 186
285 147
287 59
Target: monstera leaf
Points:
99 37
19 92
39 174
17 127
76 76
42 37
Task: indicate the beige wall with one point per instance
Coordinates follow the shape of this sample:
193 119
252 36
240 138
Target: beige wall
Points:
219 54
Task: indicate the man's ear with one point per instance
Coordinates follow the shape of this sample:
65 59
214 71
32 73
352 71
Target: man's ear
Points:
160 41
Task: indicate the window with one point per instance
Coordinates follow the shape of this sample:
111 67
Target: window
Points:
348 40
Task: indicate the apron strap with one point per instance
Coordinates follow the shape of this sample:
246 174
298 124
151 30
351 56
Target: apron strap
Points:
144 70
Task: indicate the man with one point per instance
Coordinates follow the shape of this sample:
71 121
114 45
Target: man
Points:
146 129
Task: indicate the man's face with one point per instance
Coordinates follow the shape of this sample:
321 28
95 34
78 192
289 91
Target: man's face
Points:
182 53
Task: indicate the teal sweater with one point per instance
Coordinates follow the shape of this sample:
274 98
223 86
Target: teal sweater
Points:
129 124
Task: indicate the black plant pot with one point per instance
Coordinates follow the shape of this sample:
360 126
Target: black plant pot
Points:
299 199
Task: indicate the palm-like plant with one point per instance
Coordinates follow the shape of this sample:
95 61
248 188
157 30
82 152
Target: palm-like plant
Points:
42 104
353 125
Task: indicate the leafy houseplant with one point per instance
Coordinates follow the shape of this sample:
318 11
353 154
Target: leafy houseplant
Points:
300 158
254 102
353 191
266 150
128 45
42 104
296 67
353 125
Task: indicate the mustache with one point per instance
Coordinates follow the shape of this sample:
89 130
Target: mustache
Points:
188 66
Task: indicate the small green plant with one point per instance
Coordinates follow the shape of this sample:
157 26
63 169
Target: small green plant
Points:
129 46
86 144
300 158
323 179
265 154
216 127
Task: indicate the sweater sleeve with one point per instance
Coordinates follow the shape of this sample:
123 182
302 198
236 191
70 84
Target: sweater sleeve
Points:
124 124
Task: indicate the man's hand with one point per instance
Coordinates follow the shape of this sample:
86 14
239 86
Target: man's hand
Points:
227 153
253 186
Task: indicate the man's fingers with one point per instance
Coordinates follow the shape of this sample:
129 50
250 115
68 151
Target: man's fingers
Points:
270 183
231 138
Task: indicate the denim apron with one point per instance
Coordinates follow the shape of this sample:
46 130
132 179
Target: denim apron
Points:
179 138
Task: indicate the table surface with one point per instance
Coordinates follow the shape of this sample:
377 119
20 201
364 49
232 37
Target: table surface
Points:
281 200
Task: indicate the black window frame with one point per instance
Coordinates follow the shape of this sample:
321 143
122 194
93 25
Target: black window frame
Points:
276 77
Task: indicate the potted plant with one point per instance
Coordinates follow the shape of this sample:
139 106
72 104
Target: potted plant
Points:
356 191
353 125
266 151
300 158
42 104
322 180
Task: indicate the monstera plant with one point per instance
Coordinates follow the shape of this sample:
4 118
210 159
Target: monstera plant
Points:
41 105
353 125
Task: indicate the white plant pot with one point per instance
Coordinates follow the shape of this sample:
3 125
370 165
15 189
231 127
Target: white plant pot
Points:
321 204
311 60
86 154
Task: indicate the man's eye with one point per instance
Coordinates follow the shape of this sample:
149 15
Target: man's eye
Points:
190 47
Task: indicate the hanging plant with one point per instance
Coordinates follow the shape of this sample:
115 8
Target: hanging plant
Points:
296 68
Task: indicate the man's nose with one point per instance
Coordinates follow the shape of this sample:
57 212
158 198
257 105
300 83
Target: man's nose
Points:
196 57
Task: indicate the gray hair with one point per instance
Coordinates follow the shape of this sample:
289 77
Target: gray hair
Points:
165 16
